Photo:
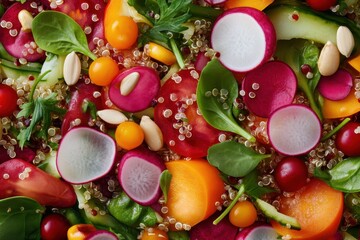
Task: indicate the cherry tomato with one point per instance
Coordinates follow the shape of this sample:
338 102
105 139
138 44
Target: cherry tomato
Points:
154 234
121 32
321 5
54 227
243 214
185 131
291 174
103 70
129 135
8 100
348 139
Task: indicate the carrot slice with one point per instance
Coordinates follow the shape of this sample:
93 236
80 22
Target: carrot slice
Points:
342 108
258 4
317 207
194 189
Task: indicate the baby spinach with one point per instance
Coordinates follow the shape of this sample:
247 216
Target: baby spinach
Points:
216 92
165 180
20 218
345 176
58 33
234 158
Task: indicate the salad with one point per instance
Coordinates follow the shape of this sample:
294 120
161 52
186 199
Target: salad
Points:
180 119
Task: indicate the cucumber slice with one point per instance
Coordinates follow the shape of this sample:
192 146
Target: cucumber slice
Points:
55 64
271 212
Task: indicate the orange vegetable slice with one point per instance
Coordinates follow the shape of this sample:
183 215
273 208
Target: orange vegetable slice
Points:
194 189
342 108
258 4
317 207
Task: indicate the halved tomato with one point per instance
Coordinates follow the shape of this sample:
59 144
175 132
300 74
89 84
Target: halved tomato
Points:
185 131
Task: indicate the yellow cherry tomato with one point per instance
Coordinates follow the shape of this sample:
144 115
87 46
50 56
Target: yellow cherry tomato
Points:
154 234
129 135
121 32
258 4
161 54
103 70
342 108
243 214
80 231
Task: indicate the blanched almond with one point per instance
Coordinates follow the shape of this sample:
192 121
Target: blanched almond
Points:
112 116
329 59
152 132
72 69
25 19
345 41
128 83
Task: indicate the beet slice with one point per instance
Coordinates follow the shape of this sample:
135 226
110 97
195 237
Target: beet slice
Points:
337 86
19 43
269 87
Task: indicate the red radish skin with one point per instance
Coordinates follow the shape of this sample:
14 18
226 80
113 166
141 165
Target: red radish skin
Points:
269 87
201 61
142 96
256 232
139 175
101 235
294 129
85 155
337 86
18 43
215 2
244 37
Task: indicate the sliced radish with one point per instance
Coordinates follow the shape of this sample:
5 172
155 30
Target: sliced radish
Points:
139 175
201 61
101 235
244 37
269 87
337 86
135 89
215 2
294 129
85 155
257 232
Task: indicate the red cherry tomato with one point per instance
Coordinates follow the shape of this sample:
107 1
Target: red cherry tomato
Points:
185 131
8 100
348 139
54 227
321 5
291 174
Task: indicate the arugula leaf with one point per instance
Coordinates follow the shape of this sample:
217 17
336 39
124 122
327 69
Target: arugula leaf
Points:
165 180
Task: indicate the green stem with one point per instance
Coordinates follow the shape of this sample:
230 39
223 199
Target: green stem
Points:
234 201
177 53
204 12
40 78
336 129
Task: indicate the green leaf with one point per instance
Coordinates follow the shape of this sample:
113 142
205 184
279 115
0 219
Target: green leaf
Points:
178 235
20 218
310 56
58 33
165 180
90 107
234 158
252 187
216 92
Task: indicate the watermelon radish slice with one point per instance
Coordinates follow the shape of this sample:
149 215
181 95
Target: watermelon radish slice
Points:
268 87
244 37
85 155
139 175
257 232
19 43
294 129
101 235
145 86
337 86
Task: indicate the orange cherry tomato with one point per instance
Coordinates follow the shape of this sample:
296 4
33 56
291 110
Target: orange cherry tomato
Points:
154 234
129 135
103 70
121 32
243 214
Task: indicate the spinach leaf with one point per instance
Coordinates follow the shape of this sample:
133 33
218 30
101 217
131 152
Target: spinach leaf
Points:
252 187
233 158
216 92
20 218
165 180
130 213
178 235
310 56
352 201
58 33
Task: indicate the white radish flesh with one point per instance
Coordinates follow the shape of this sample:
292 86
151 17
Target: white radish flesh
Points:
262 232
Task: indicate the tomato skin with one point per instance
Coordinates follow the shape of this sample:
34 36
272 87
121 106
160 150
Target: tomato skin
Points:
54 227
348 139
321 5
291 174
103 70
121 32
8 100
243 214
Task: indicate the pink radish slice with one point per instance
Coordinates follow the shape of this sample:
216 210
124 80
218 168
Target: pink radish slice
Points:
142 95
294 129
101 235
201 61
337 86
257 232
269 87
85 155
215 2
139 175
19 43
244 37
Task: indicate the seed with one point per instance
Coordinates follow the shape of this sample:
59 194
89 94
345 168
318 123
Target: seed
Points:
72 69
329 59
128 83
25 19
345 41
152 132
112 116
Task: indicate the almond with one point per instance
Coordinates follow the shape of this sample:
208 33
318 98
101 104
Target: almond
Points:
152 132
72 69
345 41
128 83
25 19
329 59
112 116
